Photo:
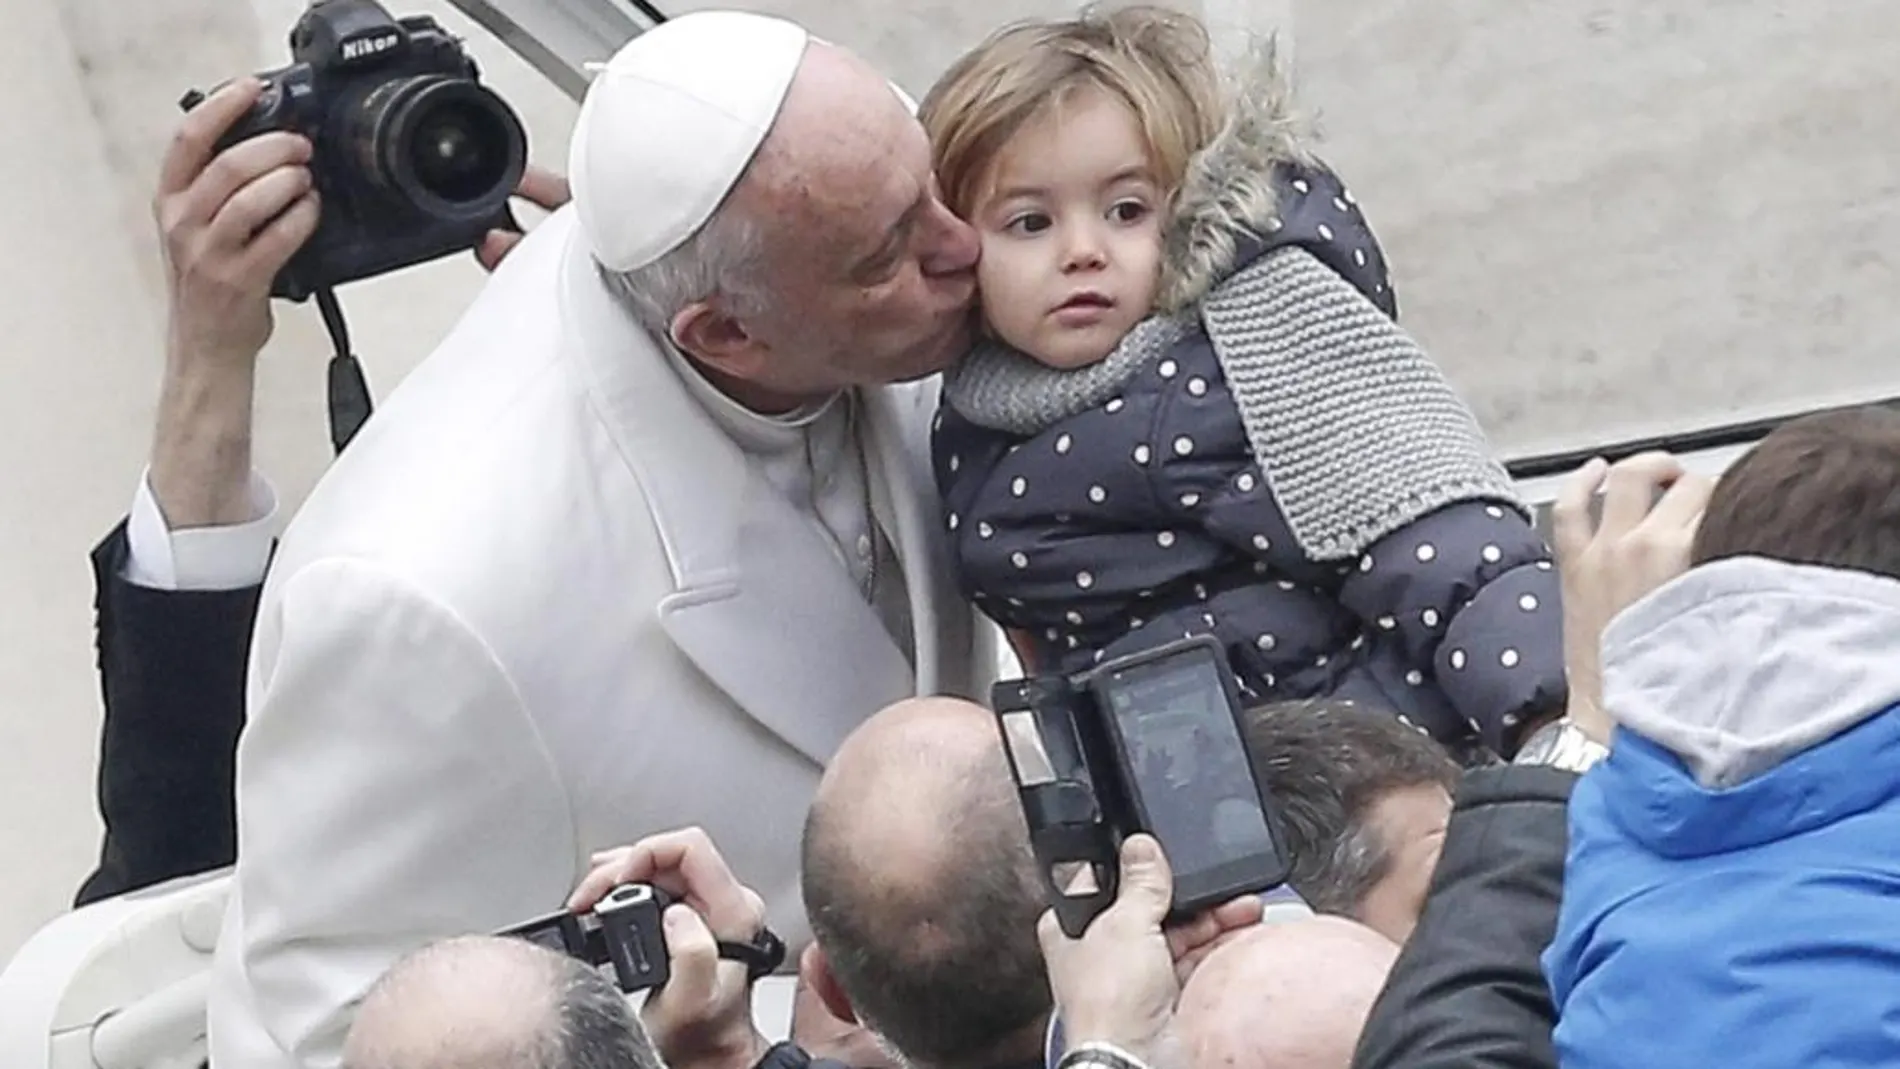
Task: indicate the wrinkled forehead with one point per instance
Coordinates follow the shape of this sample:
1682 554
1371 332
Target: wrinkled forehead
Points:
841 179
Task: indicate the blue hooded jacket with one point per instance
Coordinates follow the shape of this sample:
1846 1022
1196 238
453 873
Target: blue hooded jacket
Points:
1732 892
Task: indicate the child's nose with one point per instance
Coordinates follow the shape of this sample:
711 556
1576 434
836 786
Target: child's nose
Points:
1084 250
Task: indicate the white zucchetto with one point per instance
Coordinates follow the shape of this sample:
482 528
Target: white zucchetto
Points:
669 125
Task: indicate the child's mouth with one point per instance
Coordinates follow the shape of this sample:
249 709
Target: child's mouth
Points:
1087 300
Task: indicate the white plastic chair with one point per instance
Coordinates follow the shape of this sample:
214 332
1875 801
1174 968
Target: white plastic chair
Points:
119 984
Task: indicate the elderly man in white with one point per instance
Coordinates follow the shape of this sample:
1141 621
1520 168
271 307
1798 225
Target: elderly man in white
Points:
634 549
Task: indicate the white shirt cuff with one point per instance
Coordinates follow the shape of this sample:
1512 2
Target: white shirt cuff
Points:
230 557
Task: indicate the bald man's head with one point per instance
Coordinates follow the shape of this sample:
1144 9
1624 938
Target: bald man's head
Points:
482 1002
922 889
1285 994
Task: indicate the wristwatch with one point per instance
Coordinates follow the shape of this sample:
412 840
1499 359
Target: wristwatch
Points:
1561 744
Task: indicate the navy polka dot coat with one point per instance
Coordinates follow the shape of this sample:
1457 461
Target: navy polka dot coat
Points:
1146 518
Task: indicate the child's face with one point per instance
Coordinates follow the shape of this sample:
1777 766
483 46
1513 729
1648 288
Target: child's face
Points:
1071 231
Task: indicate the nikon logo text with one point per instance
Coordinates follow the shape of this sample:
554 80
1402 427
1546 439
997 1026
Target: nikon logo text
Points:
369 46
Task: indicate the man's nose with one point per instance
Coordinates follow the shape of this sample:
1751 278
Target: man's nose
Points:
954 247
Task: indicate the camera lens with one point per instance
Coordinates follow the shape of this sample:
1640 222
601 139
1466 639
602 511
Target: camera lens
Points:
457 152
448 146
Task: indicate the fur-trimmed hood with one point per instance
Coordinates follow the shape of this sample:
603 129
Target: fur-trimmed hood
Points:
1230 191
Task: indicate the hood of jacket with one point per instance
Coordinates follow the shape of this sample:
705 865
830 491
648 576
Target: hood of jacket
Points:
1756 699
1229 193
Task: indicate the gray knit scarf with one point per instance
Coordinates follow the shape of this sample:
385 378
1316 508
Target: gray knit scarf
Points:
1003 388
1357 430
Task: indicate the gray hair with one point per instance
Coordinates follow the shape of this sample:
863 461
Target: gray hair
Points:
1326 764
485 1002
597 1028
722 259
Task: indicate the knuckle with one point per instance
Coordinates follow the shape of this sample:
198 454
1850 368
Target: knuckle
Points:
1046 928
187 136
194 260
226 171
172 227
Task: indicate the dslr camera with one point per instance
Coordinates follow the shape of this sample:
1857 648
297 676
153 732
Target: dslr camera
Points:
413 157
624 930
1150 742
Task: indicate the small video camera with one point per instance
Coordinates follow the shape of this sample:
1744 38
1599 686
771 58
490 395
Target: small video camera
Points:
1150 742
413 157
622 930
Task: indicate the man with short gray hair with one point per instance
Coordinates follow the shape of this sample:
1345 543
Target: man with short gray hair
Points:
481 1002
1363 801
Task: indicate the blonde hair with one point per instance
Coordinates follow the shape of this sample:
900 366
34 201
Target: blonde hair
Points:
1155 61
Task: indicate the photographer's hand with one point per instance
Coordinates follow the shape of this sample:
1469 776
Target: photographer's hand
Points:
1651 508
228 224
1119 982
702 1018
540 187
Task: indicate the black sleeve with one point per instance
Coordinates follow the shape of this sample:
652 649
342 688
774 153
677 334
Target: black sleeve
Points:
1468 990
171 670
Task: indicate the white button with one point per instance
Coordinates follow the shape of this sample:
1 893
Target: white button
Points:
864 545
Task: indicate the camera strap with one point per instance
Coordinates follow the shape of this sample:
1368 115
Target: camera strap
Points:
349 400
761 957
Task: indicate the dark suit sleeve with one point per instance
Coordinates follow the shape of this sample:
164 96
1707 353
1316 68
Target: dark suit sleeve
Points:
1468 990
171 668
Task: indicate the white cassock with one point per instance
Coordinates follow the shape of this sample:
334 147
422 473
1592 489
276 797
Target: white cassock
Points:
549 602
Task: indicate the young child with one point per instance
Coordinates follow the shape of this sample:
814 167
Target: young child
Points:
1193 411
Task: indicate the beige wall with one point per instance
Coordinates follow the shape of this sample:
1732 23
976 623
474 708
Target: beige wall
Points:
1628 212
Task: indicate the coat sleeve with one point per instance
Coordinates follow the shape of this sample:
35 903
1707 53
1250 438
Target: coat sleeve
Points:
1471 591
171 673
387 748
1467 991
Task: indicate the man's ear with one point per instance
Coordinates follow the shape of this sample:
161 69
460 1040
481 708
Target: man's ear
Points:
814 970
717 340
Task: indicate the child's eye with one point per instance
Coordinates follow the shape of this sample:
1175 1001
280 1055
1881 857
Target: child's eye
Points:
1028 223
1128 211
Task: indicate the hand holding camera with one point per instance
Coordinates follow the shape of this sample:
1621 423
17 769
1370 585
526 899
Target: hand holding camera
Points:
415 158
386 121
1119 981
1149 743
702 1017
1612 550
230 220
